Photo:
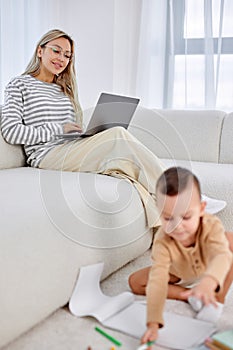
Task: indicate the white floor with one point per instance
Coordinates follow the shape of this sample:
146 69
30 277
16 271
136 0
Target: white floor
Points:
62 331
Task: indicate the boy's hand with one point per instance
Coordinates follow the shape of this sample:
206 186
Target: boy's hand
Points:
151 333
205 291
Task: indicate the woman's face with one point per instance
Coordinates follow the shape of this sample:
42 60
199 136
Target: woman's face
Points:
55 57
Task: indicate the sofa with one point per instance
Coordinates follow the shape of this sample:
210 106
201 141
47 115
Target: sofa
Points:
52 223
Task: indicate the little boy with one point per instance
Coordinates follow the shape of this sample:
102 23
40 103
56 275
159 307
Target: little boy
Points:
191 259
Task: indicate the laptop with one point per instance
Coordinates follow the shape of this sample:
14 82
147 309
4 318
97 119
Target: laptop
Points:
111 110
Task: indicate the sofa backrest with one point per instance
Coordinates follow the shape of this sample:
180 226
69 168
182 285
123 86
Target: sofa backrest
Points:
226 144
11 156
180 134
200 135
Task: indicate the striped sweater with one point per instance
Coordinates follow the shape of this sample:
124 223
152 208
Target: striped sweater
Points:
33 113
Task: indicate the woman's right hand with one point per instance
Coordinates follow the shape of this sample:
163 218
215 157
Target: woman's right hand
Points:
150 334
71 127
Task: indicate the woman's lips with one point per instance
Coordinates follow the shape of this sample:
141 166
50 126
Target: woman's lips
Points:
57 65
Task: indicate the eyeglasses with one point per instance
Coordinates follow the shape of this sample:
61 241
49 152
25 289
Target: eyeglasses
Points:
58 51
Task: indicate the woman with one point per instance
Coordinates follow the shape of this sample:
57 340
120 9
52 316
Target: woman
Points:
43 102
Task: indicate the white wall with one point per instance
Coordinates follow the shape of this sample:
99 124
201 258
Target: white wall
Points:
91 25
106 36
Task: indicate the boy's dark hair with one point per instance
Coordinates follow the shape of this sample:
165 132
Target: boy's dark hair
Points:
175 180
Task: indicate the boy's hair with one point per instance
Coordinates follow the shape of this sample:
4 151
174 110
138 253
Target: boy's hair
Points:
175 180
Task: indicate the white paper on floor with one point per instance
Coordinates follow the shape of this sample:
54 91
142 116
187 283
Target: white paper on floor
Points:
123 313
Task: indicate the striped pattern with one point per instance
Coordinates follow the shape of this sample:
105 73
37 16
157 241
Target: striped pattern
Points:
33 112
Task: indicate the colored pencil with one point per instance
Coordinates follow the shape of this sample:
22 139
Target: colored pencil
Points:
109 337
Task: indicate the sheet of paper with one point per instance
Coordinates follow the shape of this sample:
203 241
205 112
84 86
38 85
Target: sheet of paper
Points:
88 299
123 313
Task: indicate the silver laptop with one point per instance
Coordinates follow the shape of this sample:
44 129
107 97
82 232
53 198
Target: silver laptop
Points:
111 110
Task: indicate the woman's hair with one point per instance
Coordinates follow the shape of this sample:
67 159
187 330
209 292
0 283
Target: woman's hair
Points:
175 180
67 79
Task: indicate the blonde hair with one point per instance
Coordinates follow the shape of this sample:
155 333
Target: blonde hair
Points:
67 79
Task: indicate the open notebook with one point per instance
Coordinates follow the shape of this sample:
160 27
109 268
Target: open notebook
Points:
123 313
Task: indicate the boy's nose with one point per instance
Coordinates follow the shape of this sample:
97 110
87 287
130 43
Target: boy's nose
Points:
176 225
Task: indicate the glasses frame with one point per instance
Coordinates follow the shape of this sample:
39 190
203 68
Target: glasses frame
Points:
57 50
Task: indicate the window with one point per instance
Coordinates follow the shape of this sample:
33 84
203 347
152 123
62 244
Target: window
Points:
201 44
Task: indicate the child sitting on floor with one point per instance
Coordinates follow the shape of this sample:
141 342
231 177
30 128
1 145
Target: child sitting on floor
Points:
191 258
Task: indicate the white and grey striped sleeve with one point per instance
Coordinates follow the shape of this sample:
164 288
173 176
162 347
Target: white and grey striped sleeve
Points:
13 127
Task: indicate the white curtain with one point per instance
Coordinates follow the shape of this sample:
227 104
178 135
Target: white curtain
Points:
186 54
127 17
22 23
150 82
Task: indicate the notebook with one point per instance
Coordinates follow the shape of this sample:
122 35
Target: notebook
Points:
111 110
123 313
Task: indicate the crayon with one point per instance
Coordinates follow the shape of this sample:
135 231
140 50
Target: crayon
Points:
109 337
146 345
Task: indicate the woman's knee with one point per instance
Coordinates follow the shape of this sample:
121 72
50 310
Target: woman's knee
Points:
118 132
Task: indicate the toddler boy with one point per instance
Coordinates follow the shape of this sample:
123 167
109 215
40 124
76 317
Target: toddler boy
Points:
191 259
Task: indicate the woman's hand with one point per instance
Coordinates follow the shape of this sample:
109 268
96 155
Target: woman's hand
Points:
151 333
71 127
205 291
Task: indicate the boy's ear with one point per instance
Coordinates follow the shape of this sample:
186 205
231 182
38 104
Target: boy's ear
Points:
203 206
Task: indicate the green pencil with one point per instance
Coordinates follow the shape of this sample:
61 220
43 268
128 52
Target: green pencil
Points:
109 337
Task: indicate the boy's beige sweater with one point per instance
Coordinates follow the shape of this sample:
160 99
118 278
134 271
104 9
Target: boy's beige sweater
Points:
210 256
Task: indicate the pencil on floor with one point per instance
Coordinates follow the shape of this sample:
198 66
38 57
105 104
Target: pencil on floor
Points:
109 337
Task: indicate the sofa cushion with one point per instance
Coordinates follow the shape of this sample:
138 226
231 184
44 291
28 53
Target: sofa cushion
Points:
226 143
179 134
11 156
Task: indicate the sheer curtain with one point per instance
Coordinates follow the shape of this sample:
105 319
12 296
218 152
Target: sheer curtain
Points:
151 72
186 54
22 23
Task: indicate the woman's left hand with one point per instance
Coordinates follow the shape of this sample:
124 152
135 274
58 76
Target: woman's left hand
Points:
71 127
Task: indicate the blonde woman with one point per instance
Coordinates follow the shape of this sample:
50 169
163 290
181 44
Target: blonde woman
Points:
43 102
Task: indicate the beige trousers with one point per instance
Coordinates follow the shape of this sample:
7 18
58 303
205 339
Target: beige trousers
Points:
113 152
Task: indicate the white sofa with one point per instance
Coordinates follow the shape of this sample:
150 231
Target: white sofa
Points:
201 140
52 223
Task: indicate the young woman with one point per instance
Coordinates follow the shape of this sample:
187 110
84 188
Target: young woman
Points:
43 102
